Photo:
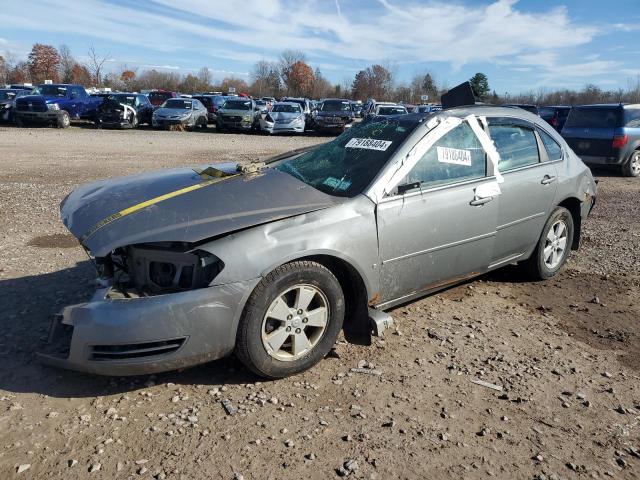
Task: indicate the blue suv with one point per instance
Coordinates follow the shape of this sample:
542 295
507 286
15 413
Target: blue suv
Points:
606 134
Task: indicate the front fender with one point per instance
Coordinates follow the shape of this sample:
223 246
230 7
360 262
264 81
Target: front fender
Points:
346 231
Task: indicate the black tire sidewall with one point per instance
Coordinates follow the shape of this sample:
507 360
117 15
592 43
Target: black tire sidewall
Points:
249 346
557 214
64 120
626 169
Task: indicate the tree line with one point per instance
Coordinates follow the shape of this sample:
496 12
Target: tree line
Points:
290 75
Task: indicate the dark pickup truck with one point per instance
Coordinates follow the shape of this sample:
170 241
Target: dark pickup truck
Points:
56 104
606 134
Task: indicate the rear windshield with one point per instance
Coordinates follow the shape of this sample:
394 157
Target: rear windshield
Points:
205 100
160 95
335 106
288 108
237 105
392 110
345 166
594 117
177 103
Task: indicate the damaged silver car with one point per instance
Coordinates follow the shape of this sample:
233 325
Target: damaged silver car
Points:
271 261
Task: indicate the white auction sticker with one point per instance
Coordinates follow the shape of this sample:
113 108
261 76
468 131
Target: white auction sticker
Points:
454 155
369 144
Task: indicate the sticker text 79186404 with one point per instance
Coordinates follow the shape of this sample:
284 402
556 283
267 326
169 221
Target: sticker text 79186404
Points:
454 156
369 144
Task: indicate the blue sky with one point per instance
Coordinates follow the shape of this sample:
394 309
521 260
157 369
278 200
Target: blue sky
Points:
521 45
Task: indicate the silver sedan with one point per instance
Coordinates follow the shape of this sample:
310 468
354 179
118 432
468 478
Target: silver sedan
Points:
273 260
284 117
187 112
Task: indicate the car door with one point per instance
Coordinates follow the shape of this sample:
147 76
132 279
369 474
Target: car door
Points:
433 230
529 188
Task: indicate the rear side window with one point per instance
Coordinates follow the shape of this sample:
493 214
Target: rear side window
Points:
456 157
590 117
632 118
554 152
516 144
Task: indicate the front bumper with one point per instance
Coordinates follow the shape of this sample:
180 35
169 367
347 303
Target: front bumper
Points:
39 117
168 122
330 126
283 127
146 335
235 125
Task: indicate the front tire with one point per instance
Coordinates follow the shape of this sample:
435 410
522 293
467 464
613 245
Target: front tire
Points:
553 247
64 120
291 320
632 167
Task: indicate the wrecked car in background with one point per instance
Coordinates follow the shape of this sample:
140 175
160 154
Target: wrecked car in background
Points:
8 98
273 260
186 112
124 110
284 118
238 113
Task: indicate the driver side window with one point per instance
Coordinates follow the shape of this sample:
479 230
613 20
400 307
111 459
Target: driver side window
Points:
455 157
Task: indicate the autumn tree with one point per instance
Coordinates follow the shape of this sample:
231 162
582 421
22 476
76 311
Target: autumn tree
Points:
300 79
321 88
375 81
127 77
43 62
80 75
19 73
288 59
239 84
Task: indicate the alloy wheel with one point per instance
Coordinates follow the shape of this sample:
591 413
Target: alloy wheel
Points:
555 244
295 322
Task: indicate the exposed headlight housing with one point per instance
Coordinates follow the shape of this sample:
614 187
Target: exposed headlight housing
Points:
53 106
246 118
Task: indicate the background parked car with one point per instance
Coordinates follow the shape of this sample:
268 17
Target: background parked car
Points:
432 107
607 134
124 110
555 115
56 104
7 102
305 104
239 113
334 114
212 103
284 117
187 112
389 110
262 105
158 97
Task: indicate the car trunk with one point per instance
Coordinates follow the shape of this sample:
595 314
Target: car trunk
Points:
590 131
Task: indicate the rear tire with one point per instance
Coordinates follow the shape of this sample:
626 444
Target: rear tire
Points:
553 247
632 167
303 305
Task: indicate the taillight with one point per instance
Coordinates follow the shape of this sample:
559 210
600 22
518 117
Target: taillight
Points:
554 122
620 141
212 109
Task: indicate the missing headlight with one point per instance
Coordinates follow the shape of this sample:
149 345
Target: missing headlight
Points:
153 269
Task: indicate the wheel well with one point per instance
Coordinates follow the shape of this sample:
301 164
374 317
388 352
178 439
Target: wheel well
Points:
356 319
574 206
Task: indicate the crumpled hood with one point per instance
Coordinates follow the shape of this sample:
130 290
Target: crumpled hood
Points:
181 205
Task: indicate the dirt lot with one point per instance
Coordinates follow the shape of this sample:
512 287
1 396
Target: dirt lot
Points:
567 352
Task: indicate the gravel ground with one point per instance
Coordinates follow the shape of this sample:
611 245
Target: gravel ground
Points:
566 351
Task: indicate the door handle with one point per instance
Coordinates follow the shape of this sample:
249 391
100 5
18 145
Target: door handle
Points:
480 201
547 179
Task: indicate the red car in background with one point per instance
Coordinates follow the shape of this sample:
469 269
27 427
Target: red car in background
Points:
158 97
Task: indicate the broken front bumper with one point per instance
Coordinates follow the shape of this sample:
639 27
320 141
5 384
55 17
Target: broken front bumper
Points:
137 336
